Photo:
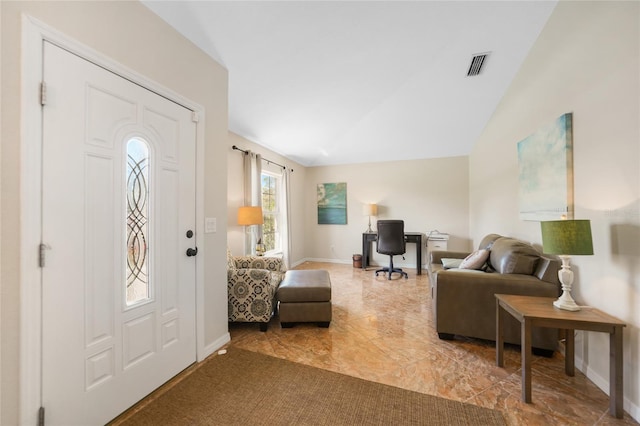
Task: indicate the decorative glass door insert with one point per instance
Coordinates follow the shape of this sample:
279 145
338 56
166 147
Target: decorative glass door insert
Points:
137 179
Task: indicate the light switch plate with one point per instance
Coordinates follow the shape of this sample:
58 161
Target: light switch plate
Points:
210 225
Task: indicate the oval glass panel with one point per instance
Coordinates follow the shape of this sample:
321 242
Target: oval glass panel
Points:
137 178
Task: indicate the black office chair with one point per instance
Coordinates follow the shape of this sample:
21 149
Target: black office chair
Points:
391 242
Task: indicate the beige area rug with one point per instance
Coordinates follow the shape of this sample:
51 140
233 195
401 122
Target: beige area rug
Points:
247 388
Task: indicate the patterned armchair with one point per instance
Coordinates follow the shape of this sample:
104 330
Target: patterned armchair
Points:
252 282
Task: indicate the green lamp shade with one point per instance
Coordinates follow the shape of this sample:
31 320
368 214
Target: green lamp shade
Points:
566 237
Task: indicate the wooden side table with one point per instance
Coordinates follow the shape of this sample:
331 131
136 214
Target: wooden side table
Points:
540 312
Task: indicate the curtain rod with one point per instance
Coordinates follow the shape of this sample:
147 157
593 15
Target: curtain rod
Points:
263 159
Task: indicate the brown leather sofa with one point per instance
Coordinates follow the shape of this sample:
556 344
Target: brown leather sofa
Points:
463 300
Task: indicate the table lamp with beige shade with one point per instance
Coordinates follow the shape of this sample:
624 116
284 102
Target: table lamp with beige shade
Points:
369 210
565 238
250 216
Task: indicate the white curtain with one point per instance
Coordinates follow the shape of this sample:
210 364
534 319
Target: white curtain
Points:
285 228
252 195
257 191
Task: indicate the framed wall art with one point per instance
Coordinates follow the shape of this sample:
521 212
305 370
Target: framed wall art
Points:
545 163
332 203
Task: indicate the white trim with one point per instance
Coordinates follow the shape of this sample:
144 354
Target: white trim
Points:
215 345
30 208
34 32
603 383
372 264
200 233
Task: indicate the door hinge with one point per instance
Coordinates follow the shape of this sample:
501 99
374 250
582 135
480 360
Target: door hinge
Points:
41 416
42 254
43 93
195 117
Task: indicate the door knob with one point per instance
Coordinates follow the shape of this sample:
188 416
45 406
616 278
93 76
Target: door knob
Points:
192 251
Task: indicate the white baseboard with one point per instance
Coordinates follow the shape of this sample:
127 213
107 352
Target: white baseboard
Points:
603 383
350 261
215 345
326 260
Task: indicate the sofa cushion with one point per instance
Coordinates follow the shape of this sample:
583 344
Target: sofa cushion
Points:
511 256
488 241
475 260
449 263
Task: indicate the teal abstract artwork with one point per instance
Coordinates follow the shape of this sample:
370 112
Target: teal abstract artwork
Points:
332 203
545 162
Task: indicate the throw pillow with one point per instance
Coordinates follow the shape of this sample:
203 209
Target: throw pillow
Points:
448 263
475 260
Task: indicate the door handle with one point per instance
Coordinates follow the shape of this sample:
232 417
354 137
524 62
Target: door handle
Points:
192 251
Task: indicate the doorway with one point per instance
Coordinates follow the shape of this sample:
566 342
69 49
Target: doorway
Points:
91 238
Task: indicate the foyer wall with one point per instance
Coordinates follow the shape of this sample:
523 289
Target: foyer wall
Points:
585 61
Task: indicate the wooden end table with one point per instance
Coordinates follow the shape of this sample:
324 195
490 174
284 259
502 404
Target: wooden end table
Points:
540 312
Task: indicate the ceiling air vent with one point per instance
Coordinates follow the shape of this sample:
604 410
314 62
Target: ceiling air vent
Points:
476 64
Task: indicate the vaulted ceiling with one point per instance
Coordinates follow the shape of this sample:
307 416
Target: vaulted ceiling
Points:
337 82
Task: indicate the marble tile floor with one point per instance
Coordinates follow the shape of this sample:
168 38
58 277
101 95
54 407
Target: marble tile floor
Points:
383 331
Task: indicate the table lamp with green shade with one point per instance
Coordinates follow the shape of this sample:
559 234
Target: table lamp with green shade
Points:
565 238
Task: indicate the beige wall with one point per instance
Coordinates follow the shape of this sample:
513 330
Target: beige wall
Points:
235 182
586 61
133 36
426 194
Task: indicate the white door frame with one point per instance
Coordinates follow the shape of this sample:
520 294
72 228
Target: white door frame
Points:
34 32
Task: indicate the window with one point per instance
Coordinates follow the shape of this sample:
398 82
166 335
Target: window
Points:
270 211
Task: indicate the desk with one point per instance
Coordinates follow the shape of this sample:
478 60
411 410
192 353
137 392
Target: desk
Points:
409 237
540 312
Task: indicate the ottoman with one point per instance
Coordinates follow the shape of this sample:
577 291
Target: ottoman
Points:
305 296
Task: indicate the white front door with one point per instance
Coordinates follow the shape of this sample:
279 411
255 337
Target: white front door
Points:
118 202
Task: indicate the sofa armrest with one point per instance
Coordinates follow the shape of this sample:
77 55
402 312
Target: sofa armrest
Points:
438 255
547 270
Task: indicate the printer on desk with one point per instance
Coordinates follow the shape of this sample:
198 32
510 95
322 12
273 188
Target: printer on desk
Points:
436 241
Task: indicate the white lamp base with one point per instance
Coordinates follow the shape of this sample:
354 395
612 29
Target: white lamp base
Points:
565 274
566 302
